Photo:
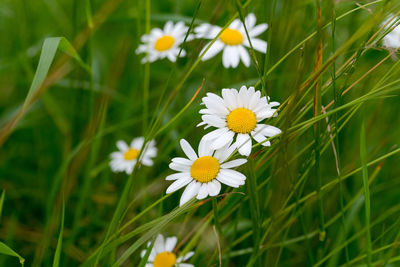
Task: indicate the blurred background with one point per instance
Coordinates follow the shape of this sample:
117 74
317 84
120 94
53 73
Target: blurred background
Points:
58 146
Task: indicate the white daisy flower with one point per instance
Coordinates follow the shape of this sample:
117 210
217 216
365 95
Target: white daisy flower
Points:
392 39
164 43
233 40
203 174
126 158
238 113
162 254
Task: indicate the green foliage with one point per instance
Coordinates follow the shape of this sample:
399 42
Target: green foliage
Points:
325 193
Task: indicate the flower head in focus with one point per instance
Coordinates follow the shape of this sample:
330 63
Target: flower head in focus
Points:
233 41
203 173
238 113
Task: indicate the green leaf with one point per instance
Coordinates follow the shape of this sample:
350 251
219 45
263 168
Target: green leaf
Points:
47 55
4 249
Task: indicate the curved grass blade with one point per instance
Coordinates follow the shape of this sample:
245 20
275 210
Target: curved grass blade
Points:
57 255
49 49
5 250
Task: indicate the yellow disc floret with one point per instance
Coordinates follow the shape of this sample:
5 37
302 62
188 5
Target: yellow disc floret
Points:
204 169
164 43
241 120
231 37
165 259
131 154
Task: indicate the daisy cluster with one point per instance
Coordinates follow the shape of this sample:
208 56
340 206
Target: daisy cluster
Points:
232 41
236 118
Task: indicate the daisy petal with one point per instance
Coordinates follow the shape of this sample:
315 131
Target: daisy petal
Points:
159 244
188 255
227 181
214 121
177 176
257 30
259 45
250 20
179 167
215 134
243 143
170 243
244 56
269 130
229 56
215 48
204 148
137 143
233 163
178 184
203 192
222 140
213 187
122 145
235 56
229 97
182 161
188 150
191 190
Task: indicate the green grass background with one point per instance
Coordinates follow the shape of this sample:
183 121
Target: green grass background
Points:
326 193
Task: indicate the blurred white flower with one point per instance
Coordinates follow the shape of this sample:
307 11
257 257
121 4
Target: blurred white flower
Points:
203 174
238 113
162 254
126 158
164 43
233 40
392 39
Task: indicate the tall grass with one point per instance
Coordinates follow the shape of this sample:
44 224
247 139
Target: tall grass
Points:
324 194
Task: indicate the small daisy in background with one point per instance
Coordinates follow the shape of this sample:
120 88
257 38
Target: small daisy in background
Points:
392 39
126 158
203 174
164 43
238 113
233 41
162 254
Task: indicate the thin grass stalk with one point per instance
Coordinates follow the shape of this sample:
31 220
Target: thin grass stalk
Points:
317 125
363 156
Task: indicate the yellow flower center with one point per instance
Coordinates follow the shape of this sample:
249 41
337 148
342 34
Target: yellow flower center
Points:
204 169
241 120
164 43
131 154
164 259
231 37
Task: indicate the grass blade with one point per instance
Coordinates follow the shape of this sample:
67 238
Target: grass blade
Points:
363 156
57 255
6 250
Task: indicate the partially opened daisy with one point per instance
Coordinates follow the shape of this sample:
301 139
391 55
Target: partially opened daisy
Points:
238 113
392 39
126 158
164 43
204 172
163 255
233 40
